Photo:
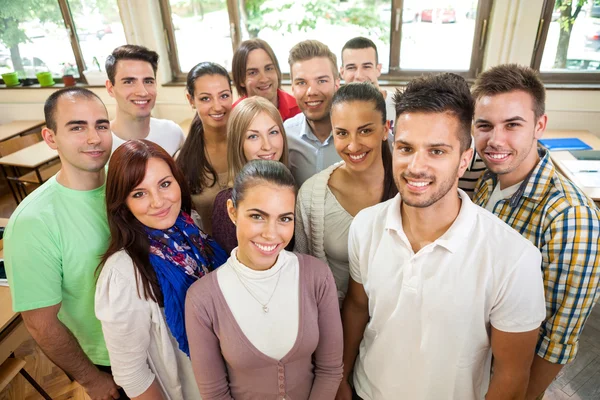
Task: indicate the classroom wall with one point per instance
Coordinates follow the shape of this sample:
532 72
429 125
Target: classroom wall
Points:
510 39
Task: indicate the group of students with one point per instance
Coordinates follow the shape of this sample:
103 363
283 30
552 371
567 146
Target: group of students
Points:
169 273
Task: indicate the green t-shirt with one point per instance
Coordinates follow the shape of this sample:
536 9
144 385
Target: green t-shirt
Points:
53 244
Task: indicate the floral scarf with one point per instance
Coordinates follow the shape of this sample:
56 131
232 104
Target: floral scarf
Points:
180 256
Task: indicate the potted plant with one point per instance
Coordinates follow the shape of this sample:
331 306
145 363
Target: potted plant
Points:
95 76
69 70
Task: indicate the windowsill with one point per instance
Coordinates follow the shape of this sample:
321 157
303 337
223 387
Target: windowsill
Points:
55 86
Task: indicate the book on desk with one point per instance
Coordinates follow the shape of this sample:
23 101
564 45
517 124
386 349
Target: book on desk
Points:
564 144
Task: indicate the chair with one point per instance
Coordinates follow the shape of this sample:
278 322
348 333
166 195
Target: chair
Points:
31 178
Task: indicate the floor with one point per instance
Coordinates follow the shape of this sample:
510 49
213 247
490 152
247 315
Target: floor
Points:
578 381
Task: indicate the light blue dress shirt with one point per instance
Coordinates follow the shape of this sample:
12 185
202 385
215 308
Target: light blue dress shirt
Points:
308 155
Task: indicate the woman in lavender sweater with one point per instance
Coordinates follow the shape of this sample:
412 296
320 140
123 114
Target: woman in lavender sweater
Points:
266 325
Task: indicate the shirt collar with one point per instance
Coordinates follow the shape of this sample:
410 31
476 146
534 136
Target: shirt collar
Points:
534 186
307 132
454 238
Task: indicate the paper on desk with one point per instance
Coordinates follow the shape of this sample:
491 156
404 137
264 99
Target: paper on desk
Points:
587 172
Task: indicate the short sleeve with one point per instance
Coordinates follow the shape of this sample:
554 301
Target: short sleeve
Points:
354 253
520 305
33 263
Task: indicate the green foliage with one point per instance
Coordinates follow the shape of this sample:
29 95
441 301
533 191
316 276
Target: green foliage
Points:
13 12
569 11
306 14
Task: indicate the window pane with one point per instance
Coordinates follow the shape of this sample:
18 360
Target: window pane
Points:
437 35
283 23
201 32
36 40
573 41
99 29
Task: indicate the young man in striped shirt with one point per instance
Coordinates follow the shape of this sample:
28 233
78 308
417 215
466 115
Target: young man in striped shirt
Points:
523 188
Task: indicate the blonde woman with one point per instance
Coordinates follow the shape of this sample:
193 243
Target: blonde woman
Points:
254 132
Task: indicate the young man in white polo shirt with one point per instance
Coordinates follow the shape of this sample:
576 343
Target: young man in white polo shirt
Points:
131 81
438 285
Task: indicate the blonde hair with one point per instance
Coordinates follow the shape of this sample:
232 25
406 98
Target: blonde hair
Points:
309 49
239 121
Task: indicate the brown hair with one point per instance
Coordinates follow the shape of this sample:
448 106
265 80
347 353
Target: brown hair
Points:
129 52
126 169
193 159
241 117
443 93
310 49
240 59
511 77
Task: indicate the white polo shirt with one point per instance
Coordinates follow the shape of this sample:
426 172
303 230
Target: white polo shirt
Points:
308 155
431 313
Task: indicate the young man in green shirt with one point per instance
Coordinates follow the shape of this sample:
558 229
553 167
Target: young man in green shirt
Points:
55 238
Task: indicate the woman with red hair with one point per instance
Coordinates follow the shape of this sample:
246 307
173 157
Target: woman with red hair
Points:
155 253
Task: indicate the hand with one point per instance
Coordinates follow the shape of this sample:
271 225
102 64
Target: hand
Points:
344 391
102 387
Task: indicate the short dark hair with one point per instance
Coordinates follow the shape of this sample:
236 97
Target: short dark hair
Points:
358 43
367 92
511 77
446 92
129 52
261 171
52 102
240 60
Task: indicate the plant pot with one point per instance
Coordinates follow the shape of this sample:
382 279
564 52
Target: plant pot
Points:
69 80
95 78
11 79
45 79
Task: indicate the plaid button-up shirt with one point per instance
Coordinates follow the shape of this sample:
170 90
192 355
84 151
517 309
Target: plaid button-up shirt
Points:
564 224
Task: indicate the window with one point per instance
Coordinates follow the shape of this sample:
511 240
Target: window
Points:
567 48
412 36
63 37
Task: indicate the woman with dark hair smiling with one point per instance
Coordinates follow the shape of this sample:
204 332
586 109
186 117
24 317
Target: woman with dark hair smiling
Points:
155 254
266 325
328 201
203 157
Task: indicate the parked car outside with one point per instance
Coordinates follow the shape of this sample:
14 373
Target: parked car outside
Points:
439 15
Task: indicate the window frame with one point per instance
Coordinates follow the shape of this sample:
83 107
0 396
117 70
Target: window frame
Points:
395 76
67 16
558 78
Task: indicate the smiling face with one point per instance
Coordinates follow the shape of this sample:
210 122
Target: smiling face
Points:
358 131
212 100
506 133
261 76
427 158
313 86
82 137
134 88
264 220
360 65
156 201
263 139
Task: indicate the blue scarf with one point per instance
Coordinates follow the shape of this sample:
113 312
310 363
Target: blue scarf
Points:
180 256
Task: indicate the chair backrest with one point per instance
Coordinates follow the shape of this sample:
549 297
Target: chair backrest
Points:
17 143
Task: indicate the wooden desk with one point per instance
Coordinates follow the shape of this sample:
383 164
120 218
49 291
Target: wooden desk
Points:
16 128
30 157
559 156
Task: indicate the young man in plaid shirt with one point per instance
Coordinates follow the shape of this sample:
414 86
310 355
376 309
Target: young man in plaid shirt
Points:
523 188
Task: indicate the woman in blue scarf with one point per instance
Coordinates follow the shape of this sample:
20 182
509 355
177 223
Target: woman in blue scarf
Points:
156 252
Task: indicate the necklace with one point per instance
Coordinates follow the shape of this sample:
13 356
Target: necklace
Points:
265 306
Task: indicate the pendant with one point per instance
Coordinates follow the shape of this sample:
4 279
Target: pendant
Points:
265 309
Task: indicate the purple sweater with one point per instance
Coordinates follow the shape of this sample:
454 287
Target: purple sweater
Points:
227 366
223 228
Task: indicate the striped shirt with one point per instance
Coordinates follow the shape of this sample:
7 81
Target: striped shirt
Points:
469 179
564 224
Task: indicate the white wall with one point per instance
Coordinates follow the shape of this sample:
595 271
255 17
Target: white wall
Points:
511 38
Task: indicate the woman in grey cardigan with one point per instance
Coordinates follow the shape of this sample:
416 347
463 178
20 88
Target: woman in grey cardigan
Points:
328 201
